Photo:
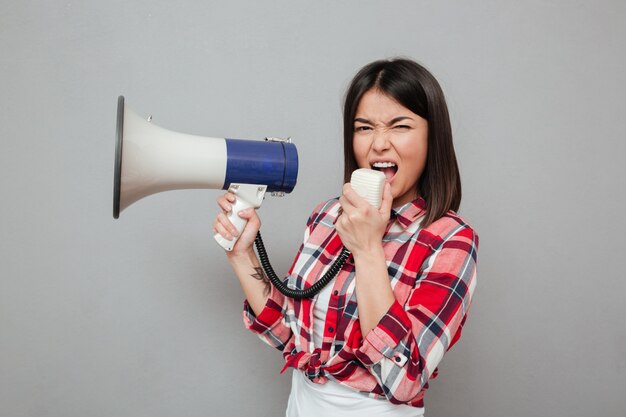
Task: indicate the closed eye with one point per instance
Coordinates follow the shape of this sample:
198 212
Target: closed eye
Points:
362 128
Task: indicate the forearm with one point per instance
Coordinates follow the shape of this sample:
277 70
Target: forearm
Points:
253 280
373 290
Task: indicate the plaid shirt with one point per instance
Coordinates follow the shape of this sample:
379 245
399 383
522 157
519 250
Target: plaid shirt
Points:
432 273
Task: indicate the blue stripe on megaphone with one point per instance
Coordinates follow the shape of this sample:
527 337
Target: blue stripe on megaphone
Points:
291 169
274 164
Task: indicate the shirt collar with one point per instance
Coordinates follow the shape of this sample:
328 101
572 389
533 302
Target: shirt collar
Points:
409 212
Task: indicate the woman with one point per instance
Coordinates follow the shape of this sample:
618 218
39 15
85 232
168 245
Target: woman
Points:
372 339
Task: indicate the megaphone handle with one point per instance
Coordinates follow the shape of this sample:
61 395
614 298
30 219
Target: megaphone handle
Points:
247 196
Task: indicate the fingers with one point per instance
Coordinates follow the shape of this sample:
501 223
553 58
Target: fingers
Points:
222 224
385 207
230 218
254 222
351 200
224 227
356 212
226 202
247 214
352 197
219 228
348 200
249 232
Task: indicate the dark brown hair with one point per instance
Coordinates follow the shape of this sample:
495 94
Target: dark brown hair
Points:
411 85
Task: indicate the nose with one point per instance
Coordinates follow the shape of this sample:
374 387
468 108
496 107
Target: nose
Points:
380 140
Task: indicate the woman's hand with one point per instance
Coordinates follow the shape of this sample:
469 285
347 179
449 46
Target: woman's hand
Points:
362 226
224 227
242 258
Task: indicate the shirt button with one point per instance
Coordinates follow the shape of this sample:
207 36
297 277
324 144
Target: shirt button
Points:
330 329
335 292
398 359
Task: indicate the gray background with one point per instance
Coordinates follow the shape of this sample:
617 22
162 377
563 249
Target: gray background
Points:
141 316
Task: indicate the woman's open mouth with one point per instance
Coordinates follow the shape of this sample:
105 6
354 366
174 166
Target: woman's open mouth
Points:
387 168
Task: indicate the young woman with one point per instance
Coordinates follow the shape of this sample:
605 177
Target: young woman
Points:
371 340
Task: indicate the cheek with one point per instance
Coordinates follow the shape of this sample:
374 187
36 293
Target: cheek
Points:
417 165
360 153
415 160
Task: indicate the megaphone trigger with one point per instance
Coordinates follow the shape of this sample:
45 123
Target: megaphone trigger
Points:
247 196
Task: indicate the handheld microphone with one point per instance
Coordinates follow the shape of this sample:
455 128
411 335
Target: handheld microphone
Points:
369 184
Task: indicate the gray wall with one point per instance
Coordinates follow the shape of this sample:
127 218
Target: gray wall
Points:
141 316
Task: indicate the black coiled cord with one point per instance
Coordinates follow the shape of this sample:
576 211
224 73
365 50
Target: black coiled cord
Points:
298 294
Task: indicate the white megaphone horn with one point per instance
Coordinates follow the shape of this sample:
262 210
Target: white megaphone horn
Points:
150 159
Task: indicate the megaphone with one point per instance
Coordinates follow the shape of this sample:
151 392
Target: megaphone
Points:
150 159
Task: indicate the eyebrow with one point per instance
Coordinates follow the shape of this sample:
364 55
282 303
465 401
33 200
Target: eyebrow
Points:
391 122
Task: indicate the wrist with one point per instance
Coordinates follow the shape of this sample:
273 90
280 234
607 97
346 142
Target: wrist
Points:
242 257
369 253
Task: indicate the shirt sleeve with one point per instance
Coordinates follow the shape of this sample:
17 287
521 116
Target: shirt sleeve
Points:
405 348
270 324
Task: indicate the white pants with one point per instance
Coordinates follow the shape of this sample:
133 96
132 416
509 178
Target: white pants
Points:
308 399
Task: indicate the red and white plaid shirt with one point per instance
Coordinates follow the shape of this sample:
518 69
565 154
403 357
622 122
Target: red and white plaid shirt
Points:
432 273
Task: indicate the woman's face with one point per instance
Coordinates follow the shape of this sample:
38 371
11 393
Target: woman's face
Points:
390 138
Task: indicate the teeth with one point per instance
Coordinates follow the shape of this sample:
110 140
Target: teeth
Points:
383 164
